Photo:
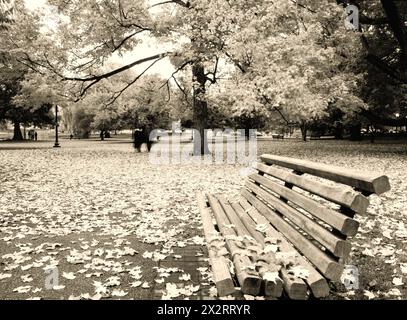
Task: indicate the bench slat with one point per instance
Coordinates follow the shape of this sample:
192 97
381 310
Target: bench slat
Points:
345 197
326 265
249 282
248 222
346 225
371 183
251 217
295 288
272 288
220 269
337 246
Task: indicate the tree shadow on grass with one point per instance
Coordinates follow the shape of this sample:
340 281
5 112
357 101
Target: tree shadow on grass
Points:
23 145
23 148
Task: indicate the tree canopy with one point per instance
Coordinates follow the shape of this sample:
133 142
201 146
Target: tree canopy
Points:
295 58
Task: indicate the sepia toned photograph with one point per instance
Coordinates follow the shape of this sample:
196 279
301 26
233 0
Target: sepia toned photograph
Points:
212 150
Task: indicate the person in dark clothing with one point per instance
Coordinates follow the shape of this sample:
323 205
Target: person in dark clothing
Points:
35 135
71 136
138 140
141 137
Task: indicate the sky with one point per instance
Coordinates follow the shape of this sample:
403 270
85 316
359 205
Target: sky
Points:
149 47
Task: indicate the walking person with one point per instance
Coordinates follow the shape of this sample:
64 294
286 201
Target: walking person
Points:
138 140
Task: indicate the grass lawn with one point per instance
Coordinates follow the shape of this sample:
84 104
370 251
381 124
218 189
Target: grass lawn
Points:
104 216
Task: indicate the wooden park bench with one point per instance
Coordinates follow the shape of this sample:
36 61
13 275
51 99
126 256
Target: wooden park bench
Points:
288 231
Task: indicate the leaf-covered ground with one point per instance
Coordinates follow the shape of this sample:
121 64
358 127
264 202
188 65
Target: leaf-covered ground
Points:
103 216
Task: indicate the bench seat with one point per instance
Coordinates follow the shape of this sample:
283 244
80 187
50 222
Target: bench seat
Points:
288 231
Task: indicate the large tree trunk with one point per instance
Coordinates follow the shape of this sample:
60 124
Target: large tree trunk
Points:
338 132
372 133
304 130
355 134
200 110
247 133
17 136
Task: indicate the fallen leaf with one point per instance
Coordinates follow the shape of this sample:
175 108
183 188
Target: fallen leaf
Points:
370 295
136 284
60 287
119 293
23 289
299 272
68 275
271 276
397 281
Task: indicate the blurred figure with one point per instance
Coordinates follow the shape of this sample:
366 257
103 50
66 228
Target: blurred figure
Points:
141 137
138 140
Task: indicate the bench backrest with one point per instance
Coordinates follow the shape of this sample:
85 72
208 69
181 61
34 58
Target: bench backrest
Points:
314 214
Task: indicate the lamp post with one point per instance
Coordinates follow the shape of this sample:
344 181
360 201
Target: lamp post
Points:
56 144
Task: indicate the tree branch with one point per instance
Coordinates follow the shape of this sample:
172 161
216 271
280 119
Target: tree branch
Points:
177 70
179 2
236 62
302 6
395 22
182 90
116 95
381 65
213 73
118 46
268 101
373 21
384 67
118 70
398 27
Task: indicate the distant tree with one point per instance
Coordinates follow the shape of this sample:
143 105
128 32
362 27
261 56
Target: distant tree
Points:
231 108
13 107
82 121
67 118
293 57
26 95
180 102
146 105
